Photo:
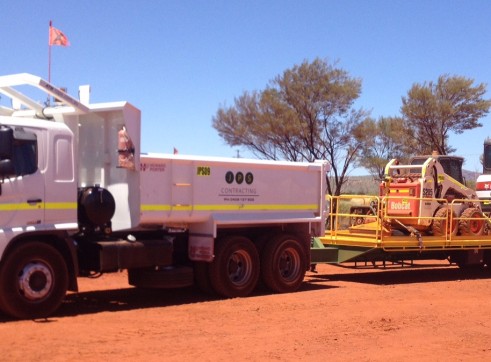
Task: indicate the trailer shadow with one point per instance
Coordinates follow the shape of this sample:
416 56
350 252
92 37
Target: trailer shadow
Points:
403 275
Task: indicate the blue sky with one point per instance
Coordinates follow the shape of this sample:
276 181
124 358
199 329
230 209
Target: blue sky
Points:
179 61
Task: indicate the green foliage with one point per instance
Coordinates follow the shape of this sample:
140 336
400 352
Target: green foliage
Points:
304 114
307 113
433 110
361 185
381 141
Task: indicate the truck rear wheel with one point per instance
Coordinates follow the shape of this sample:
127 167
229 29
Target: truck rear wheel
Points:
283 264
235 270
33 281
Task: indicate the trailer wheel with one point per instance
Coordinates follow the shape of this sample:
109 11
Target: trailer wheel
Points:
235 270
33 281
283 264
472 227
444 217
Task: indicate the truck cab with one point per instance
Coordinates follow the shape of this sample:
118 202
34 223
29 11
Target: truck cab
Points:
35 193
56 160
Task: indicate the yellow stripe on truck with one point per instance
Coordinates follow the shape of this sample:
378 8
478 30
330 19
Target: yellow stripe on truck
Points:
35 206
60 205
17 207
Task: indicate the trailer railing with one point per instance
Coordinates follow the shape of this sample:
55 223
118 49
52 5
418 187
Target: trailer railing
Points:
367 221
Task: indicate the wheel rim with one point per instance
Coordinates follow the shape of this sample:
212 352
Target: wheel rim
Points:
289 264
475 226
35 281
239 268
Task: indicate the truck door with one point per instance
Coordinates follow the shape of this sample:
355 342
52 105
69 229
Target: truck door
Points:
22 185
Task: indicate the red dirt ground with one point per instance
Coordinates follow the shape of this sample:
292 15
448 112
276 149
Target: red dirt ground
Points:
425 312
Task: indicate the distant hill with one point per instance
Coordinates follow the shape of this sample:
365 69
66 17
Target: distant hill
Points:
470 175
361 185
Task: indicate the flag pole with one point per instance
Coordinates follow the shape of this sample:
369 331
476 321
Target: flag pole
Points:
49 60
49 52
56 37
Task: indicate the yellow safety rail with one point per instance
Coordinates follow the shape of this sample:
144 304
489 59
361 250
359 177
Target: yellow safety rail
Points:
363 221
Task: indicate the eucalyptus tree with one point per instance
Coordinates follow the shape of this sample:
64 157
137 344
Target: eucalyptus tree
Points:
305 114
434 110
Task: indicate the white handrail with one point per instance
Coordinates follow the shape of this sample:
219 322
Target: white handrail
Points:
7 82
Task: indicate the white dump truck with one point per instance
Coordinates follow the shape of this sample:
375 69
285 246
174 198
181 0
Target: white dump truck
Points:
78 199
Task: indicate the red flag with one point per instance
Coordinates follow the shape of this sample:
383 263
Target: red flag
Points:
56 37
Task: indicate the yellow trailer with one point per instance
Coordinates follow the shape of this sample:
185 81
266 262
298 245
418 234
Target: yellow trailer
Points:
377 235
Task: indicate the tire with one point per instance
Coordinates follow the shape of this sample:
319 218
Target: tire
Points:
283 264
471 227
235 270
439 226
33 281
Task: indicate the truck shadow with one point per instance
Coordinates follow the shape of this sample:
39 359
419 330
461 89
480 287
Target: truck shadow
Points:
125 299
404 275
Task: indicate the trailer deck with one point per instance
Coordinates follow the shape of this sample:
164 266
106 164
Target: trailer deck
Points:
359 229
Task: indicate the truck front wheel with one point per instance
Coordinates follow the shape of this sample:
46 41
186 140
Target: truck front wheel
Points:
283 264
235 270
33 281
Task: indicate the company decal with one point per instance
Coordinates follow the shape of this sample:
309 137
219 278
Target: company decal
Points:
400 205
203 171
152 167
239 177
483 186
240 187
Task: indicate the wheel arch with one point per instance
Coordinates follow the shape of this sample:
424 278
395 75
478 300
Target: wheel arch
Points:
260 235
